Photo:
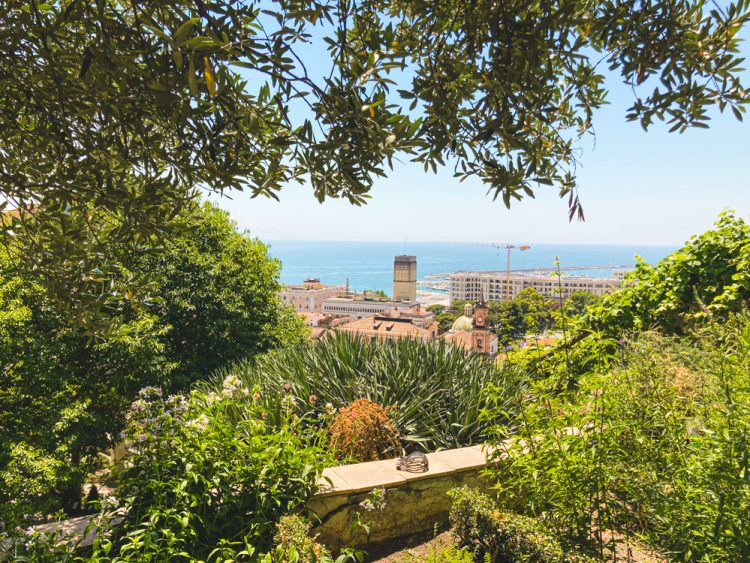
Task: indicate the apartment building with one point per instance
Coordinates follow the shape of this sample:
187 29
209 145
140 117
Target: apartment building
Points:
491 286
310 295
359 307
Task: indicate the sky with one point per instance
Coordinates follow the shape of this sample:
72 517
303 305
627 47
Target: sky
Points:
636 188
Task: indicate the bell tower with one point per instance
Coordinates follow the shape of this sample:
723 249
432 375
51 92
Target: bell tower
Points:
481 333
480 316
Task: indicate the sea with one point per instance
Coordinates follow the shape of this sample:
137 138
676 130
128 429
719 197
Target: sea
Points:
369 265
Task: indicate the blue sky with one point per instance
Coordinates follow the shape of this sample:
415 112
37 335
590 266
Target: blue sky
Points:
636 188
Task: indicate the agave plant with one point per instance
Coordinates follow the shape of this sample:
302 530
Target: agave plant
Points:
435 390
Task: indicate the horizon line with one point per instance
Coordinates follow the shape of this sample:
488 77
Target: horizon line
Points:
469 243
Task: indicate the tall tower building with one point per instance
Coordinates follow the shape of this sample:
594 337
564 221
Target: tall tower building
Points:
405 278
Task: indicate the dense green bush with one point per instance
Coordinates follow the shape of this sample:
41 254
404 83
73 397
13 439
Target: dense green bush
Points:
502 535
435 390
62 398
63 395
209 477
217 294
709 276
653 442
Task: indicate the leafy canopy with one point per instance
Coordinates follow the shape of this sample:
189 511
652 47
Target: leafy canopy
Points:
63 396
709 276
113 112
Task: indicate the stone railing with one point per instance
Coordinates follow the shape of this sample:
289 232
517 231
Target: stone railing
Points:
414 502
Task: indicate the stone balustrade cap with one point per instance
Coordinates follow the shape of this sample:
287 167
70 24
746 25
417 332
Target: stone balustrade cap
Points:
359 477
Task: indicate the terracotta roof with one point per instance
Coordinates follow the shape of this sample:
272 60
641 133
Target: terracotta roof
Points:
318 331
385 327
461 338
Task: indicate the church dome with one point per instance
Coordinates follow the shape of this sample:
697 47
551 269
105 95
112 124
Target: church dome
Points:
463 323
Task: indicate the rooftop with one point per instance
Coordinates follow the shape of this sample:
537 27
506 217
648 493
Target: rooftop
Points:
387 326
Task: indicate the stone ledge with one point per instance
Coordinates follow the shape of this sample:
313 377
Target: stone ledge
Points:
414 502
366 476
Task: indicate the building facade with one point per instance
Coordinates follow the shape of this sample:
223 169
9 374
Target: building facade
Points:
619 275
358 307
491 286
310 295
405 278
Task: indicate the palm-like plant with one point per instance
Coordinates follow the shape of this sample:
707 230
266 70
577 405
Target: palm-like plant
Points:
436 389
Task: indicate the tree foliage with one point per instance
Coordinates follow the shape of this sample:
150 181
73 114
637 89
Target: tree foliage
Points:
708 276
112 113
63 395
218 294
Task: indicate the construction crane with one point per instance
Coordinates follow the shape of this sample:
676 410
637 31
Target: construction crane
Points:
510 247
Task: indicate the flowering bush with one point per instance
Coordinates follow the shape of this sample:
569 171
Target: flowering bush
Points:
209 477
53 546
363 431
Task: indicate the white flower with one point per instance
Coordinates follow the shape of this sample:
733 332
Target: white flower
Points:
200 424
232 387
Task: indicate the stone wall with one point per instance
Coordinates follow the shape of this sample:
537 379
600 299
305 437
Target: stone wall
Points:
414 502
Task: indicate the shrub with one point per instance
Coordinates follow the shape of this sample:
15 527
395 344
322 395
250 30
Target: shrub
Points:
437 389
501 535
651 442
363 431
209 477
54 546
442 554
708 276
293 542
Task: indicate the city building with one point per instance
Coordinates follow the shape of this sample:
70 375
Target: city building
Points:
474 286
471 331
391 324
419 315
321 324
310 295
619 275
405 278
360 306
